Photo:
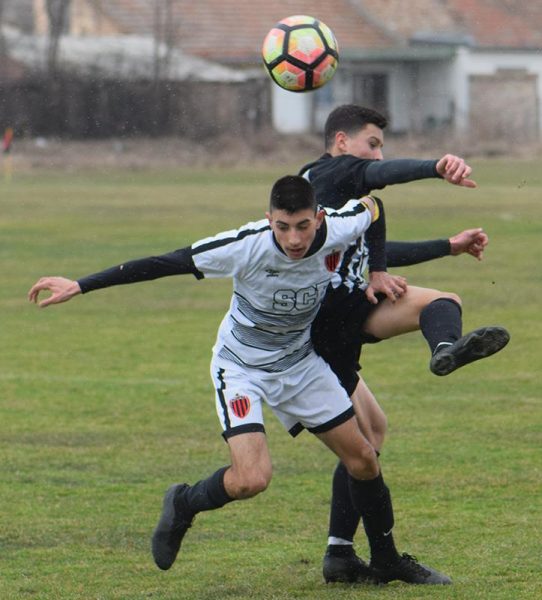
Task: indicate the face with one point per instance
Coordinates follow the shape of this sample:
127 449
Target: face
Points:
295 232
366 143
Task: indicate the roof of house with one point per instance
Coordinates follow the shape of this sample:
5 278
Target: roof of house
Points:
233 30
128 56
481 23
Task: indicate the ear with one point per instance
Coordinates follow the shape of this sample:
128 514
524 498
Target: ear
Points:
340 142
320 218
268 217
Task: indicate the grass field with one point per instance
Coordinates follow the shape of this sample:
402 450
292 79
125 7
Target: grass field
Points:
106 401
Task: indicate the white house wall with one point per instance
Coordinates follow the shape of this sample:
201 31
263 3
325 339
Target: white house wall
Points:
291 111
478 62
421 94
434 95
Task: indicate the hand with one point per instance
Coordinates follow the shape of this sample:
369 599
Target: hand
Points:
61 289
470 241
394 286
454 170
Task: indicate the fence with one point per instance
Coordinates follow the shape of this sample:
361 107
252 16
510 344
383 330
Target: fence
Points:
72 107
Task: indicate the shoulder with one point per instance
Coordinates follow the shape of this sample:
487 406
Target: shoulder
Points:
244 235
350 209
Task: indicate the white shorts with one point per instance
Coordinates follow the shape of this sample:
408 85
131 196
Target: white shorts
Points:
306 396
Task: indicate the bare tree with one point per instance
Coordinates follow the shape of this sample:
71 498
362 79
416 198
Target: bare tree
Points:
3 49
165 31
57 14
165 34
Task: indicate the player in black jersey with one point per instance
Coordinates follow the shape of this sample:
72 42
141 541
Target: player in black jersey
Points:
352 166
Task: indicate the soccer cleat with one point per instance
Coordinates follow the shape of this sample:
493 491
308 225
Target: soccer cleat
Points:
475 345
346 569
173 524
409 570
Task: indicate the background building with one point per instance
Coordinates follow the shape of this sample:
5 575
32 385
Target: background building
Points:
457 66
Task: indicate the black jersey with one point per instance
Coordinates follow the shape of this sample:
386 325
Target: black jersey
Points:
337 331
337 179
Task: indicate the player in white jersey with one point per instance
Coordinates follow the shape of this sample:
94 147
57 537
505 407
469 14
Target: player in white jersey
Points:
280 268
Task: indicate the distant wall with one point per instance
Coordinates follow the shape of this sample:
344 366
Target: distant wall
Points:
72 107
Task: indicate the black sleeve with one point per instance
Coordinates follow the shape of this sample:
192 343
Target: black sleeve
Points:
375 238
178 262
380 173
403 254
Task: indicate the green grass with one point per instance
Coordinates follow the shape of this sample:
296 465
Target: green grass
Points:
106 400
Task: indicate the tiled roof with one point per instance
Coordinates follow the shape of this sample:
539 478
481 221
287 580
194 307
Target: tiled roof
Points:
493 23
487 23
233 30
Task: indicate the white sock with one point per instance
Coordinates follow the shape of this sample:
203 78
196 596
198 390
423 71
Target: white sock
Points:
336 541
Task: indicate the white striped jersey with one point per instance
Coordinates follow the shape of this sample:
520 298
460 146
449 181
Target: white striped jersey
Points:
275 299
351 271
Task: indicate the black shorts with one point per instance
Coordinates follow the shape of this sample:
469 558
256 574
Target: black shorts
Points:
337 332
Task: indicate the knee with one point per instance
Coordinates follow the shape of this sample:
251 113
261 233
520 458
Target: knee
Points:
251 484
450 296
364 465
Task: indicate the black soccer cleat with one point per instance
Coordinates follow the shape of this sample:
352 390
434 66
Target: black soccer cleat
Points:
346 569
475 345
409 570
173 524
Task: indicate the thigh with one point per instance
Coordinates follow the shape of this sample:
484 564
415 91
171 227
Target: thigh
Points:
251 469
395 318
249 453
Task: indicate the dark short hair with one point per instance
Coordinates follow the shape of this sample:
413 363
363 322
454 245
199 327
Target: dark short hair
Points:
292 193
350 118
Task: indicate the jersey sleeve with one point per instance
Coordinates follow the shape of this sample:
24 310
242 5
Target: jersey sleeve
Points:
178 262
380 173
403 254
228 253
375 239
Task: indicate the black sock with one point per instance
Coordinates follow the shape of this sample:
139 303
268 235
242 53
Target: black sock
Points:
343 550
343 518
372 499
440 321
206 494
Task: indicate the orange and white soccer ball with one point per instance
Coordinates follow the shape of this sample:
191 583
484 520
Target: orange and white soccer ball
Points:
300 53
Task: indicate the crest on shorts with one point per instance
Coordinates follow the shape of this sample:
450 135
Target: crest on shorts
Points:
240 406
332 261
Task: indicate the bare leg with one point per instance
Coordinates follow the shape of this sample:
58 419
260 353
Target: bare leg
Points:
251 469
395 318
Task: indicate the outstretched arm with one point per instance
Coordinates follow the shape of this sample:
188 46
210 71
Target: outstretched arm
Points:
451 168
144 269
469 241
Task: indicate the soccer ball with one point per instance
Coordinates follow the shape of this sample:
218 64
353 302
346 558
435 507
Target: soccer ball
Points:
300 53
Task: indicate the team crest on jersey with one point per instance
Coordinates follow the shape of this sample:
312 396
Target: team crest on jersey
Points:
240 406
332 261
